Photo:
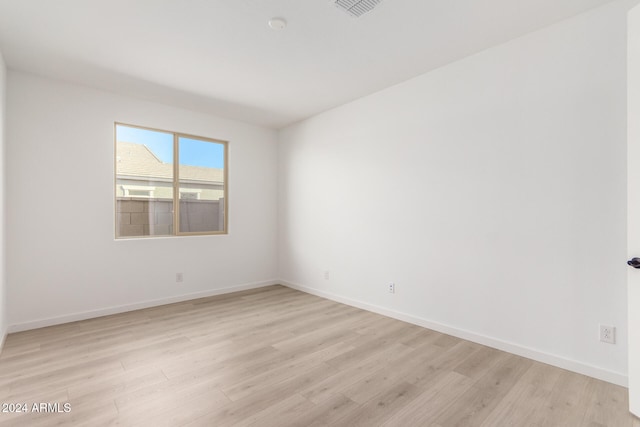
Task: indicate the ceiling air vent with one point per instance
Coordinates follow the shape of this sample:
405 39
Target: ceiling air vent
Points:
357 7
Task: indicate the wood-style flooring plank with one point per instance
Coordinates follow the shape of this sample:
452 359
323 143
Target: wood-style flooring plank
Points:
278 357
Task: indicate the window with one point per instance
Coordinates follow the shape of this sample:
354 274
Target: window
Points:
137 190
190 194
169 184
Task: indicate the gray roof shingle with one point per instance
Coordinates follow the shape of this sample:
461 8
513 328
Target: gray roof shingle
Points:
138 160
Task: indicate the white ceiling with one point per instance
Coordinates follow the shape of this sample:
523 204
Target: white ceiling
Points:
220 56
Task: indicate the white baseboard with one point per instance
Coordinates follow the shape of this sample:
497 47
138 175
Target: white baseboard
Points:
41 323
530 353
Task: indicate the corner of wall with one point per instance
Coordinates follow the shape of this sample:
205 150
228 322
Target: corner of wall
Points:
3 276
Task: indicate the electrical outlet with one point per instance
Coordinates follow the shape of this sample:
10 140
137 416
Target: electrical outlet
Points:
179 278
326 275
608 334
392 288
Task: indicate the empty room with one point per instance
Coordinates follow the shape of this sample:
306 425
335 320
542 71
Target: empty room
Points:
320 213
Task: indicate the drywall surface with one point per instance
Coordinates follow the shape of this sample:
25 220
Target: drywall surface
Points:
3 278
633 205
63 260
491 191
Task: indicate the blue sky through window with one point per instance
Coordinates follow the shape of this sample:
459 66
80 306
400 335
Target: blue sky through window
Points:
192 152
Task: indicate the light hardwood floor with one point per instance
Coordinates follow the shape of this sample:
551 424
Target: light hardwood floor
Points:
279 357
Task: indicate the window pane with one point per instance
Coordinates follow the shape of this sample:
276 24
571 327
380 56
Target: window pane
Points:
201 184
144 182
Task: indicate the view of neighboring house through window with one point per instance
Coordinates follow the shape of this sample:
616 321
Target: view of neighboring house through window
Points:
168 183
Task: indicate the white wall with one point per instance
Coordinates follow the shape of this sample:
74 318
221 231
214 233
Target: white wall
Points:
60 174
492 191
4 323
633 205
